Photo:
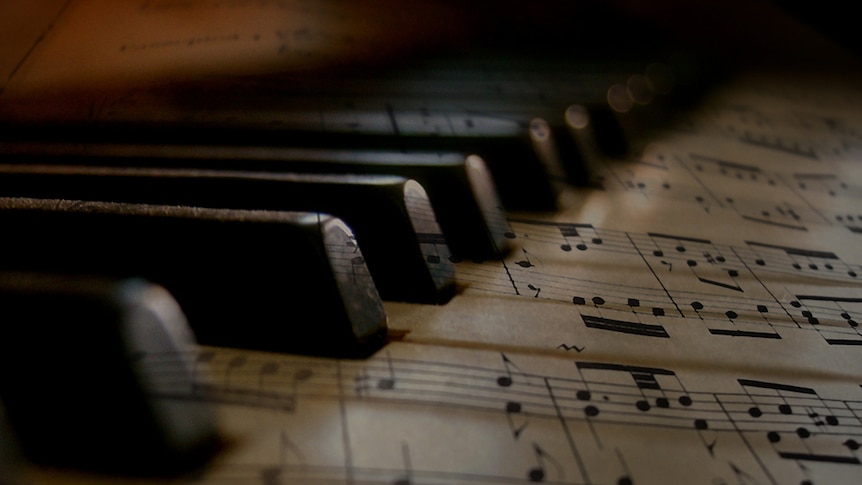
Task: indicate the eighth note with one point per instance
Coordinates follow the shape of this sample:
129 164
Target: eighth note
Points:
388 383
506 381
537 473
513 408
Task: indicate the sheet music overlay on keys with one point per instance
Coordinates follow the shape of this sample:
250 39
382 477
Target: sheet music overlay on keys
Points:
684 311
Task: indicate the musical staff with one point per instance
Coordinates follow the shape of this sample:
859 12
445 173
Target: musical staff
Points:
688 314
732 289
701 327
625 410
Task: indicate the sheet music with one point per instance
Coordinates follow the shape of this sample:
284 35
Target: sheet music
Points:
691 318
72 45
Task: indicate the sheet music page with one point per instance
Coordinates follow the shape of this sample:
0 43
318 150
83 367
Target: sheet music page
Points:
24 25
693 317
74 45
695 320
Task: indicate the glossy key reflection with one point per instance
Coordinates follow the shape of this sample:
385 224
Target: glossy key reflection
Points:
271 280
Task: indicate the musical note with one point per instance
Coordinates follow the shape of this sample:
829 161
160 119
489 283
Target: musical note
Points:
388 383
836 324
732 317
692 265
567 231
366 378
739 171
507 380
525 263
680 241
790 400
702 426
538 473
742 220
605 396
645 380
513 412
716 273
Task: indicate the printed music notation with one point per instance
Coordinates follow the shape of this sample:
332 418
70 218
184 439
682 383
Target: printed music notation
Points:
58 47
728 288
472 416
690 317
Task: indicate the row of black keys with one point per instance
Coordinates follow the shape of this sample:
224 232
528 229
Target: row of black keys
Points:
116 262
179 202
134 239
218 225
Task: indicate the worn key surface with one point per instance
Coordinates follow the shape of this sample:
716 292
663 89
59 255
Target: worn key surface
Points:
391 216
460 187
506 145
271 280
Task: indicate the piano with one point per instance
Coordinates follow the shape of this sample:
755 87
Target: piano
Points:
282 242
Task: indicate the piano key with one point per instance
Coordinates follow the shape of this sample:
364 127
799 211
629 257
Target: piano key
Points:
277 281
76 390
580 123
460 188
538 87
476 103
389 110
10 453
634 108
391 216
506 145
530 91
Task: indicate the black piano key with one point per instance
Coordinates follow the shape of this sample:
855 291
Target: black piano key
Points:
631 113
77 392
11 460
580 124
278 281
519 173
391 216
535 91
637 105
657 81
460 188
508 109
